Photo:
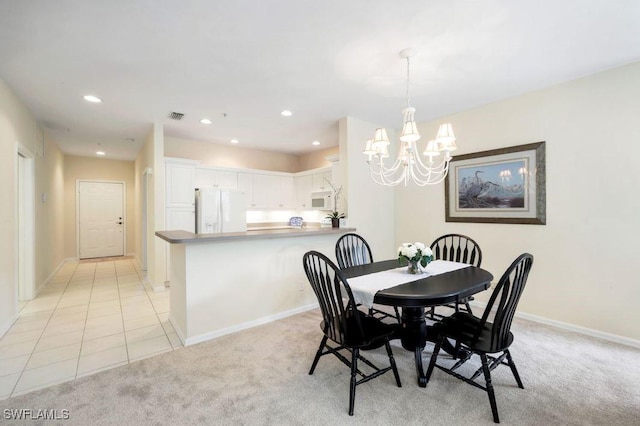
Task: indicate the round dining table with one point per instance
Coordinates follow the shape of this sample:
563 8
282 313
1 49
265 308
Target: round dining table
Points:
425 291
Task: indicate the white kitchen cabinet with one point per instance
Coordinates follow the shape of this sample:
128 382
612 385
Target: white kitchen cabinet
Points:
273 191
320 181
181 218
245 184
308 182
304 185
214 178
180 186
267 191
284 197
226 179
179 200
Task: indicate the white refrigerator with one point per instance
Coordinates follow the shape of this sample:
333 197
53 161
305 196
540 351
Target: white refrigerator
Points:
220 211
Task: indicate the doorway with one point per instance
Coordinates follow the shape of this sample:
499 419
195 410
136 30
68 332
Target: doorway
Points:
101 219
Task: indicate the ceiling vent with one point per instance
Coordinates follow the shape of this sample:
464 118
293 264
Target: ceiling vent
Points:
176 115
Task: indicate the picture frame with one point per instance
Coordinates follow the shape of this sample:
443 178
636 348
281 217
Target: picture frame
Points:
505 185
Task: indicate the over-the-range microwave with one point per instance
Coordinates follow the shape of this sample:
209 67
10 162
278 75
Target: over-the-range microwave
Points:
322 200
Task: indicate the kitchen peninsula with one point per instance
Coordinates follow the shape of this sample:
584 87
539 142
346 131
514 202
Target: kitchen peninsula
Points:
222 283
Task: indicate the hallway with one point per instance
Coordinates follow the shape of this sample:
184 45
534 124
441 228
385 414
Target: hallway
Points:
92 316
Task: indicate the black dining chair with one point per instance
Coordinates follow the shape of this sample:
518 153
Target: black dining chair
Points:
483 337
346 326
456 248
353 250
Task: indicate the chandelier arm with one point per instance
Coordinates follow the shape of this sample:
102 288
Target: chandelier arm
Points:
388 170
433 174
381 175
420 173
432 178
374 177
424 169
377 176
388 177
419 181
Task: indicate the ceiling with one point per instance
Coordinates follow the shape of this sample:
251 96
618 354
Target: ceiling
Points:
240 63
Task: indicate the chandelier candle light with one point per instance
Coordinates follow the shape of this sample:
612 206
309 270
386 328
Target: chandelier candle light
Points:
409 165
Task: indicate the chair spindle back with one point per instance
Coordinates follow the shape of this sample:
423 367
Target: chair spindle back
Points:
457 248
504 300
334 296
352 250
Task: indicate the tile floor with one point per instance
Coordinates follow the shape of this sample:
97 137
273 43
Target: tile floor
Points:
91 317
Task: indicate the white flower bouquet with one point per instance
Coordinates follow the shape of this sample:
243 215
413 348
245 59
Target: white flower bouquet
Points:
415 254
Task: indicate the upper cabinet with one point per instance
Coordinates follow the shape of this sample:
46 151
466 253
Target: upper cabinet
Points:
245 184
309 182
264 190
267 191
206 177
320 181
304 186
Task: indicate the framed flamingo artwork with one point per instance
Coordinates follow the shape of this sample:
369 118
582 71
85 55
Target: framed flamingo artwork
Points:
505 185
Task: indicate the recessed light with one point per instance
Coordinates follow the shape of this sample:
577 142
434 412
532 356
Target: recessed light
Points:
100 153
234 141
206 121
286 113
315 143
91 98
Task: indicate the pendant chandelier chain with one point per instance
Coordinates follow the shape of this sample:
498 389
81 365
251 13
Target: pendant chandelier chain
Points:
408 75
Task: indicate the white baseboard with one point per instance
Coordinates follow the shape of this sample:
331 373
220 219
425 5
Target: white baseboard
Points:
158 288
572 327
239 327
179 332
51 275
7 325
138 263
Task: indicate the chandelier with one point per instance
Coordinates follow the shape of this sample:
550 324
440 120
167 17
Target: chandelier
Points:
408 165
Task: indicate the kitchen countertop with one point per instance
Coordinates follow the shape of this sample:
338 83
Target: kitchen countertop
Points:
186 237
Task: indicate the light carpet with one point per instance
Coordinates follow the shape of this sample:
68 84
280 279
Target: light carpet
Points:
259 377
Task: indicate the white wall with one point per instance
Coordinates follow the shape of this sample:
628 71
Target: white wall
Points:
370 207
584 270
236 156
50 212
151 156
17 126
216 289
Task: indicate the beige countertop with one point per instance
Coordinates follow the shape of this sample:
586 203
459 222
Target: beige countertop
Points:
185 237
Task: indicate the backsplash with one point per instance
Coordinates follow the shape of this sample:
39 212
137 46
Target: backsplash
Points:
266 216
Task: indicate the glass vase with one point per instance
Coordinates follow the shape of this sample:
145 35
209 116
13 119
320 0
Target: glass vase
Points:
414 267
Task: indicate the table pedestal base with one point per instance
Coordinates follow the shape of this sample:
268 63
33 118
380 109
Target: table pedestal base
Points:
414 335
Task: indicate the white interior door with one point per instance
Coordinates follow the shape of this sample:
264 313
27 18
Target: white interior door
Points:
101 219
